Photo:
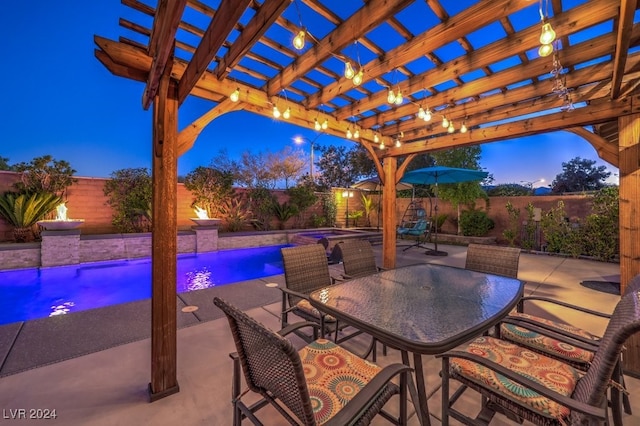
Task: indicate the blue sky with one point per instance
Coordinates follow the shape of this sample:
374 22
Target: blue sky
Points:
58 99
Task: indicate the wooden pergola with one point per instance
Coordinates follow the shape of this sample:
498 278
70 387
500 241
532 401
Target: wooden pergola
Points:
474 62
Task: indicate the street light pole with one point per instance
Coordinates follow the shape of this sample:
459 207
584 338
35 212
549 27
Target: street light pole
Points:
299 140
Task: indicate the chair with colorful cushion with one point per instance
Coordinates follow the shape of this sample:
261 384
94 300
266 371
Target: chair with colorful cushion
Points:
305 271
566 342
320 384
526 385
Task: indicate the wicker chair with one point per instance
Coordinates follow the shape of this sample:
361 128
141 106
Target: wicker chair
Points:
563 341
274 369
526 385
493 259
358 259
306 270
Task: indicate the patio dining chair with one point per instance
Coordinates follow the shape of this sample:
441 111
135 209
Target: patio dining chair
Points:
358 259
563 341
493 259
524 384
306 270
321 383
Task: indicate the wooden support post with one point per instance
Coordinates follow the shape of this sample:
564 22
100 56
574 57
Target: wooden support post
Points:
629 165
164 242
389 213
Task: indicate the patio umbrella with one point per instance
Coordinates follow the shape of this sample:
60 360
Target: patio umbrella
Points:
440 174
373 184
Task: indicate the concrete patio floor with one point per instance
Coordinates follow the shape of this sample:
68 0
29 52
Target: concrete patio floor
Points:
110 387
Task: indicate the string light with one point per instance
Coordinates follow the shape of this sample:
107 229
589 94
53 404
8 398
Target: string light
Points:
349 73
547 35
463 128
276 112
399 99
398 144
450 129
356 134
349 134
357 79
325 124
445 122
316 125
391 97
287 113
298 40
427 115
376 139
381 146
235 95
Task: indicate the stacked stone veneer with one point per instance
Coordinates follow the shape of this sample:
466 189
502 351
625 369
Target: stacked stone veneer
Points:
58 249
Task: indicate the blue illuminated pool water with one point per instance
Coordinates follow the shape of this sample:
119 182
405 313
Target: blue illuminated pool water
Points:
37 293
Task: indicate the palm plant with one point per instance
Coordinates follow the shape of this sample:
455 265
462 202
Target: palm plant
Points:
22 211
284 212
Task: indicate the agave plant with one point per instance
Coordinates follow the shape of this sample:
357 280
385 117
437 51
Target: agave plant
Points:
24 210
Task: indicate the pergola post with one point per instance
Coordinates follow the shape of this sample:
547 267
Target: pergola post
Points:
629 166
389 212
164 242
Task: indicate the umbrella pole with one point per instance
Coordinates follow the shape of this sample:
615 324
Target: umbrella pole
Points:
435 251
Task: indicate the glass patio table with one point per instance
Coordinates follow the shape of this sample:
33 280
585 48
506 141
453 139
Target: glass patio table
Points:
423 309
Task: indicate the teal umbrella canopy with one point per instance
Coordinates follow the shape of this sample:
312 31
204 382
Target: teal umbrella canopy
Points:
442 174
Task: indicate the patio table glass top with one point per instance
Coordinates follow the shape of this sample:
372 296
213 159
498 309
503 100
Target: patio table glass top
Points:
423 308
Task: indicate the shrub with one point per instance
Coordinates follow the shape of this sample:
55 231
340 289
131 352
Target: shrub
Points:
475 223
129 192
284 212
301 197
556 229
211 189
236 212
44 175
261 202
511 232
329 209
528 240
22 211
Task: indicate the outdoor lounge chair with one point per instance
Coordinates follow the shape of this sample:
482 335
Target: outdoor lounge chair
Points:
526 385
419 229
274 369
493 260
358 259
563 341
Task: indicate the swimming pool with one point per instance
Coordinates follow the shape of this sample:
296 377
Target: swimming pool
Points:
28 294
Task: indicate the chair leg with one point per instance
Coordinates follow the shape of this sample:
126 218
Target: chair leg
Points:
235 391
445 391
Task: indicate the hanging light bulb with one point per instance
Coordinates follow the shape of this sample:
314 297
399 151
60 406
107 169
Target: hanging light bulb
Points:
349 134
349 73
357 79
545 50
463 128
547 35
298 40
376 139
382 147
398 144
445 122
450 129
391 97
235 95
421 113
399 98
276 112
325 124
356 134
316 125
427 115
287 113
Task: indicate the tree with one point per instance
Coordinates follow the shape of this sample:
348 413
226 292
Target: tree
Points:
361 162
580 174
4 163
210 188
508 190
340 167
44 174
287 164
129 192
463 192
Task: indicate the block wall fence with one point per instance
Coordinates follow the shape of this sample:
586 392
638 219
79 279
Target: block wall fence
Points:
86 200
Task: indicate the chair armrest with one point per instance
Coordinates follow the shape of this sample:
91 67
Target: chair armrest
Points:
571 403
365 397
337 279
293 327
560 303
294 293
558 334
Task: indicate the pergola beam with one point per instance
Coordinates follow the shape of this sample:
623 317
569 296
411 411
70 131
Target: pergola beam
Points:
161 44
366 18
623 39
219 28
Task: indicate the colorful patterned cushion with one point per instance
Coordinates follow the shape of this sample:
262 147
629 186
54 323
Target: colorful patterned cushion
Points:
334 376
305 306
557 325
545 344
549 372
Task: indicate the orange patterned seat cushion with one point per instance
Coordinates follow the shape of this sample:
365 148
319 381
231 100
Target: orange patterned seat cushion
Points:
549 372
305 306
557 325
334 376
545 344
